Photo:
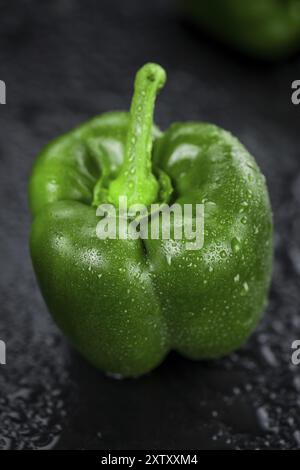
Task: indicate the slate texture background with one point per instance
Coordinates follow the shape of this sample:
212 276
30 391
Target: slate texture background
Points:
64 61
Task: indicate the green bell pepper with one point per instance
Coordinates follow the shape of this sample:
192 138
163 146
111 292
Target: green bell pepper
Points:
269 29
125 304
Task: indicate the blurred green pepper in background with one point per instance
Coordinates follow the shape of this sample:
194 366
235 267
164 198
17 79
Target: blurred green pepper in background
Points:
268 29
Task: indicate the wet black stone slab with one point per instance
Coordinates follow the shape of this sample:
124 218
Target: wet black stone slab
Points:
64 61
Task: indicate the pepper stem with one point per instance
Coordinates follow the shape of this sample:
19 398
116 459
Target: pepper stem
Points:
136 180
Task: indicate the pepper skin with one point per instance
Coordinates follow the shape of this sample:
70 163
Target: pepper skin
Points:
125 304
267 29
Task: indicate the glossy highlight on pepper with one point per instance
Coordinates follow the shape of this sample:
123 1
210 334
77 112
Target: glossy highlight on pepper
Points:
124 304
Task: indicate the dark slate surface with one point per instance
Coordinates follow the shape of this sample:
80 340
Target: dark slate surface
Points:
64 61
